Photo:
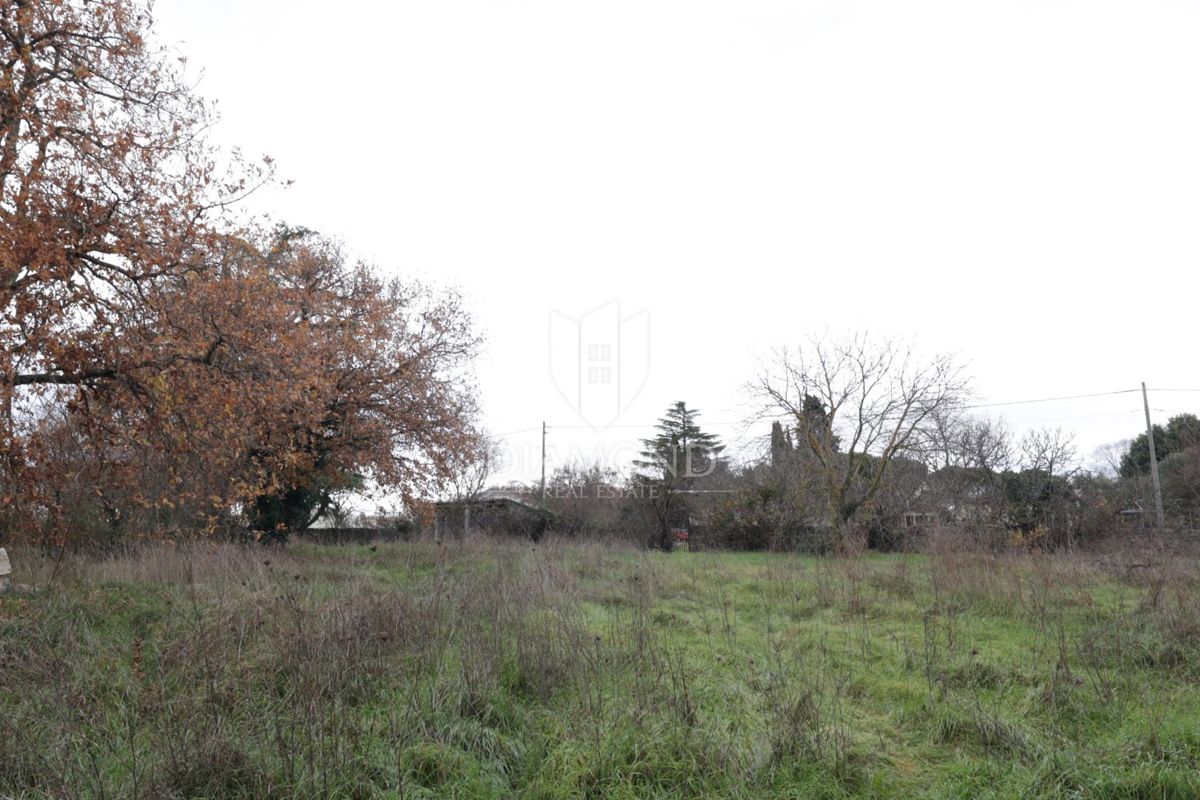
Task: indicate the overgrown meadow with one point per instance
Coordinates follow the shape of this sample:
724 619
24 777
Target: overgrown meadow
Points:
487 669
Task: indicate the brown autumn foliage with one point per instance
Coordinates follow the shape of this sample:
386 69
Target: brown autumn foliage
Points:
159 365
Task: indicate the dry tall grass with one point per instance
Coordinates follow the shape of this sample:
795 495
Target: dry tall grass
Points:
489 668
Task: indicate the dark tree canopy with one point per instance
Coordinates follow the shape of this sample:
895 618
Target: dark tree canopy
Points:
1180 433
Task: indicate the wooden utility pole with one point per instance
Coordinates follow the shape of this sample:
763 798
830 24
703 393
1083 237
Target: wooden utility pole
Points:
543 490
1158 508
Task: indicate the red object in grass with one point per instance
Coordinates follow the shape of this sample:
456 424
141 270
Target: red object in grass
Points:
679 534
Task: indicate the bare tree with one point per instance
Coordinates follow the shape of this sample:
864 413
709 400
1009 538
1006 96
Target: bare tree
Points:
858 404
586 498
1106 459
967 457
986 445
474 468
953 439
1049 450
1041 494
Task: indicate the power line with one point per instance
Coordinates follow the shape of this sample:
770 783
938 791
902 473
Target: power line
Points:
741 423
1083 416
641 425
514 433
1053 399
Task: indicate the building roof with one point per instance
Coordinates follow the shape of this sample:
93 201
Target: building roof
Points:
493 501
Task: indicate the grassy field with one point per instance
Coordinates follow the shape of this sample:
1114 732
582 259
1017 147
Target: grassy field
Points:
505 670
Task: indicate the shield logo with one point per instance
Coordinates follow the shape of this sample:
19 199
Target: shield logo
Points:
599 362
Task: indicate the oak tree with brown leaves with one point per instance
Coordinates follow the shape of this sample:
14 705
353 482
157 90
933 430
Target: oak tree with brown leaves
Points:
155 361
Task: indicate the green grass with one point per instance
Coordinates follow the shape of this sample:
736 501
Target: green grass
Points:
506 670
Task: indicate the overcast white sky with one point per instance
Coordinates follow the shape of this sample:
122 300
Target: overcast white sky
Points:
1015 181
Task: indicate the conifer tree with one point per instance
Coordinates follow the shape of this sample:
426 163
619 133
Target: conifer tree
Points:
672 461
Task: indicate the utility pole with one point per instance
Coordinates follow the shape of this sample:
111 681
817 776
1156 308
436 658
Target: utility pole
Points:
1158 509
543 492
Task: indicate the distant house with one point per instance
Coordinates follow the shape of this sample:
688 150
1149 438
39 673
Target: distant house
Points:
331 528
1134 515
494 512
919 519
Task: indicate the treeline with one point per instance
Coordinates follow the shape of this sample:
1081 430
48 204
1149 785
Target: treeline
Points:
976 485
167 366
872 446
